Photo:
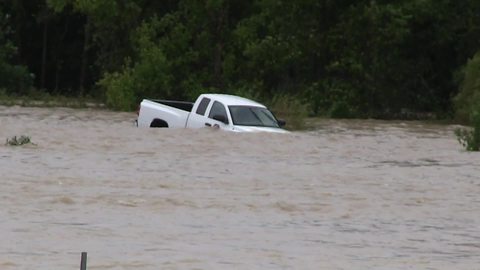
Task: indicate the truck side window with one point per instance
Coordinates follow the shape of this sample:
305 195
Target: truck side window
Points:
202 107
218 109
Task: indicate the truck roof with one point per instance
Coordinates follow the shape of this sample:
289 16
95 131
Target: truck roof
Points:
231 100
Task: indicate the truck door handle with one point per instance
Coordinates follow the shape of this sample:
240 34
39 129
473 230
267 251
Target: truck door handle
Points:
208 124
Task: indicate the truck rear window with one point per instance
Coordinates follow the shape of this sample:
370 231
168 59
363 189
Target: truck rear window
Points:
202 107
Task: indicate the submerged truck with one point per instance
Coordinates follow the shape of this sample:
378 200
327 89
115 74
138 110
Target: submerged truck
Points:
221 111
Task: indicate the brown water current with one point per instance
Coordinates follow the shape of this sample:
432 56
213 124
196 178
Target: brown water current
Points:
358 194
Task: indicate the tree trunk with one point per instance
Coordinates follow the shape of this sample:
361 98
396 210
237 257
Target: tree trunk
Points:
84 63
221 22
217 67
44 54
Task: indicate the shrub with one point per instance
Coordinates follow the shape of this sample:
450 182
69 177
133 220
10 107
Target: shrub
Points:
290 108
467 105
340 109
15 79
470 138
119 90
151 74
247 91
17 141
148 77
469 95
334 98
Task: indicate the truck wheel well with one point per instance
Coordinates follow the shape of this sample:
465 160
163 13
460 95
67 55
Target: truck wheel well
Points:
158 123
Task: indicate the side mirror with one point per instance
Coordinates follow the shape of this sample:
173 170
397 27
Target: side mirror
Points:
281 123
220 118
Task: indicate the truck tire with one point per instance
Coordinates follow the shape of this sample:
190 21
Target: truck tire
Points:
158 123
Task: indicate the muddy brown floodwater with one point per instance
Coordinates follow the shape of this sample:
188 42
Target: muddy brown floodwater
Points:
344 195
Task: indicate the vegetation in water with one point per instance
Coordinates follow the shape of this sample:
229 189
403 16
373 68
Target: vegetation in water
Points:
291 109
469 138
467 104
17 141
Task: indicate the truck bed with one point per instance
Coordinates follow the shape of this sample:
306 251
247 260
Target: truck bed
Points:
182 105
164 113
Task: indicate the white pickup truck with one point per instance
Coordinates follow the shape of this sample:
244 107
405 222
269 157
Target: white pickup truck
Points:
226 112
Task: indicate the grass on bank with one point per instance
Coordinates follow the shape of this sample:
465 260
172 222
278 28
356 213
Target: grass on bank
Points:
37 98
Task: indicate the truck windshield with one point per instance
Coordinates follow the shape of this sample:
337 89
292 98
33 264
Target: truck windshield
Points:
252 116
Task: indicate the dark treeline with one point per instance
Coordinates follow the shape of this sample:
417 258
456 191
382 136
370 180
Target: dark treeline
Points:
342 57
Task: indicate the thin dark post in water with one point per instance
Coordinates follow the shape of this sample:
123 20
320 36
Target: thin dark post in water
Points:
83 262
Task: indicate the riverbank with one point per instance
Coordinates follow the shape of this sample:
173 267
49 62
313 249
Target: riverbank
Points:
40 99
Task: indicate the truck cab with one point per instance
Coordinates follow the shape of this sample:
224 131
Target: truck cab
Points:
232 113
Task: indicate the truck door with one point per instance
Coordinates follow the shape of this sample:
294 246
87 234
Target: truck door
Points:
218 116
197 117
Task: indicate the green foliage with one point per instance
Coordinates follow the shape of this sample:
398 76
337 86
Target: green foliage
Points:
470 138
148 78
292 109
247 92
119 90
15 79
467 104
469 96
340 109
18 141
347 58
99 9
362 74
334 98
270 49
